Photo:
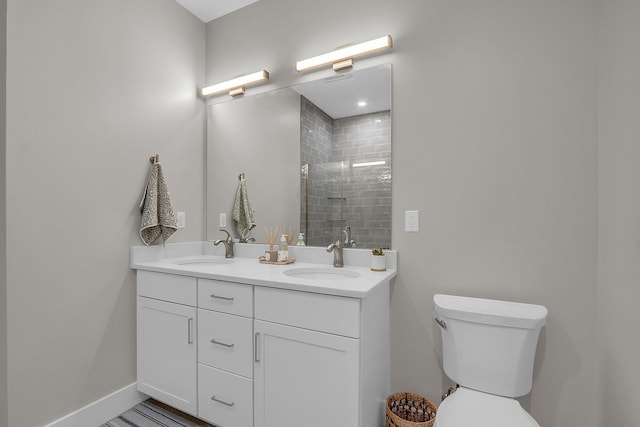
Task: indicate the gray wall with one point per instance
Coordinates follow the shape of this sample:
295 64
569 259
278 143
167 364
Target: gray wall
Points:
619 266
94 88
3 222
494 141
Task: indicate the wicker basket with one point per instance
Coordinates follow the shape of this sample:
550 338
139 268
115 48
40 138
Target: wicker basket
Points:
410 410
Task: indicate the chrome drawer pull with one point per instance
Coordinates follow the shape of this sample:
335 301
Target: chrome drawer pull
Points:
213 341
256 349
223 402
190 330
221 297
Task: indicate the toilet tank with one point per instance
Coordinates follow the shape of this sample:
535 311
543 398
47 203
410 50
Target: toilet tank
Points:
489 345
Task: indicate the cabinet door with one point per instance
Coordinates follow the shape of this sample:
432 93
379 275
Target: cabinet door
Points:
167 353
304 378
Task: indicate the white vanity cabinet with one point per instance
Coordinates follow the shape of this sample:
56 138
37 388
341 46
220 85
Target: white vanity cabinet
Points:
320 360
252 352
166 327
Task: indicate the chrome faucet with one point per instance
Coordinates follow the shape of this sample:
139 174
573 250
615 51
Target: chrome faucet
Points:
336 247
228 244
348 241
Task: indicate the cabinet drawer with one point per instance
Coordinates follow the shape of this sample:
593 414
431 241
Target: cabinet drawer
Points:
224 399
167 287
225 341
227 297
318 312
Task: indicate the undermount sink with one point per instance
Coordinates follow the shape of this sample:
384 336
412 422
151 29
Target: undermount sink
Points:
321 273
203 260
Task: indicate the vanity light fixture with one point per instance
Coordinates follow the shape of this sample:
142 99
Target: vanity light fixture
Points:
236 86
343 58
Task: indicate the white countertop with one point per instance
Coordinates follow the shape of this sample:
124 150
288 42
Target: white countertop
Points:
246 268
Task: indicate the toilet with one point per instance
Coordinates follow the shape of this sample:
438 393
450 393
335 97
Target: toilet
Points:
488 349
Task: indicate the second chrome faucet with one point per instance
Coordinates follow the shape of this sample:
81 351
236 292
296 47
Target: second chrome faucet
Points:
338 260
348 240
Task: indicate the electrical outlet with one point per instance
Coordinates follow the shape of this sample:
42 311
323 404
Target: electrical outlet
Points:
223 220
182 219
411 221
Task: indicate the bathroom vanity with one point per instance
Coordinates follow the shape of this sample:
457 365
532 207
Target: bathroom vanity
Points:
239 343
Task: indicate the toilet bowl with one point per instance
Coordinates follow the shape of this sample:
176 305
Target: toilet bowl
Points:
488 349
471 408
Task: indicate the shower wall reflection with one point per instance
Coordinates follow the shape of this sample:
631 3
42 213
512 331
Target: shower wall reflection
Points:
338 188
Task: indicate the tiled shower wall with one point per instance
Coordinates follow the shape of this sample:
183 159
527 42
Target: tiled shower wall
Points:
335 194
316 133
367 190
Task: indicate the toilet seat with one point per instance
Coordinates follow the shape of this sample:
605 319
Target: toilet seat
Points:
466 408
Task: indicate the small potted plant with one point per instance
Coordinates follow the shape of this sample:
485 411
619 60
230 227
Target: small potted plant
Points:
378 260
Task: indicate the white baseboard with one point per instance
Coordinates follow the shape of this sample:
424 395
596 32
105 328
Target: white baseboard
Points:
102 410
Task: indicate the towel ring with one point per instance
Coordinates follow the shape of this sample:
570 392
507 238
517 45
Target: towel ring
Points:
154 159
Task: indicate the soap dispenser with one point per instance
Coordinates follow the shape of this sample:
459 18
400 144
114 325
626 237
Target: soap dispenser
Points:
300 240
283 249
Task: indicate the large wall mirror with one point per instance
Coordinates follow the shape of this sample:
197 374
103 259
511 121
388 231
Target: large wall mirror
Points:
316 158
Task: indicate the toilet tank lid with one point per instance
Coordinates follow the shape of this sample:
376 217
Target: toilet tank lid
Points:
493 312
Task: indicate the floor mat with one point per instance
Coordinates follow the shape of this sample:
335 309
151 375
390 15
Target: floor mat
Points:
152 414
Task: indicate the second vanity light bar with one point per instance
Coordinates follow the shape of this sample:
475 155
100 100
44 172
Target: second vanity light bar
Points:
236 86
346 54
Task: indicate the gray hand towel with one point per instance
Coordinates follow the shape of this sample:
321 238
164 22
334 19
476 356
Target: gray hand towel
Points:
242 212
158 216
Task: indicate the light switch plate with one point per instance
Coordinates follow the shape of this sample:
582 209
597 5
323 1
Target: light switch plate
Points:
182 219
411 221
223 220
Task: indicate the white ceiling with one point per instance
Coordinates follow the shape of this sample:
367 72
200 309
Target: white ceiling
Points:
208 10
338 96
